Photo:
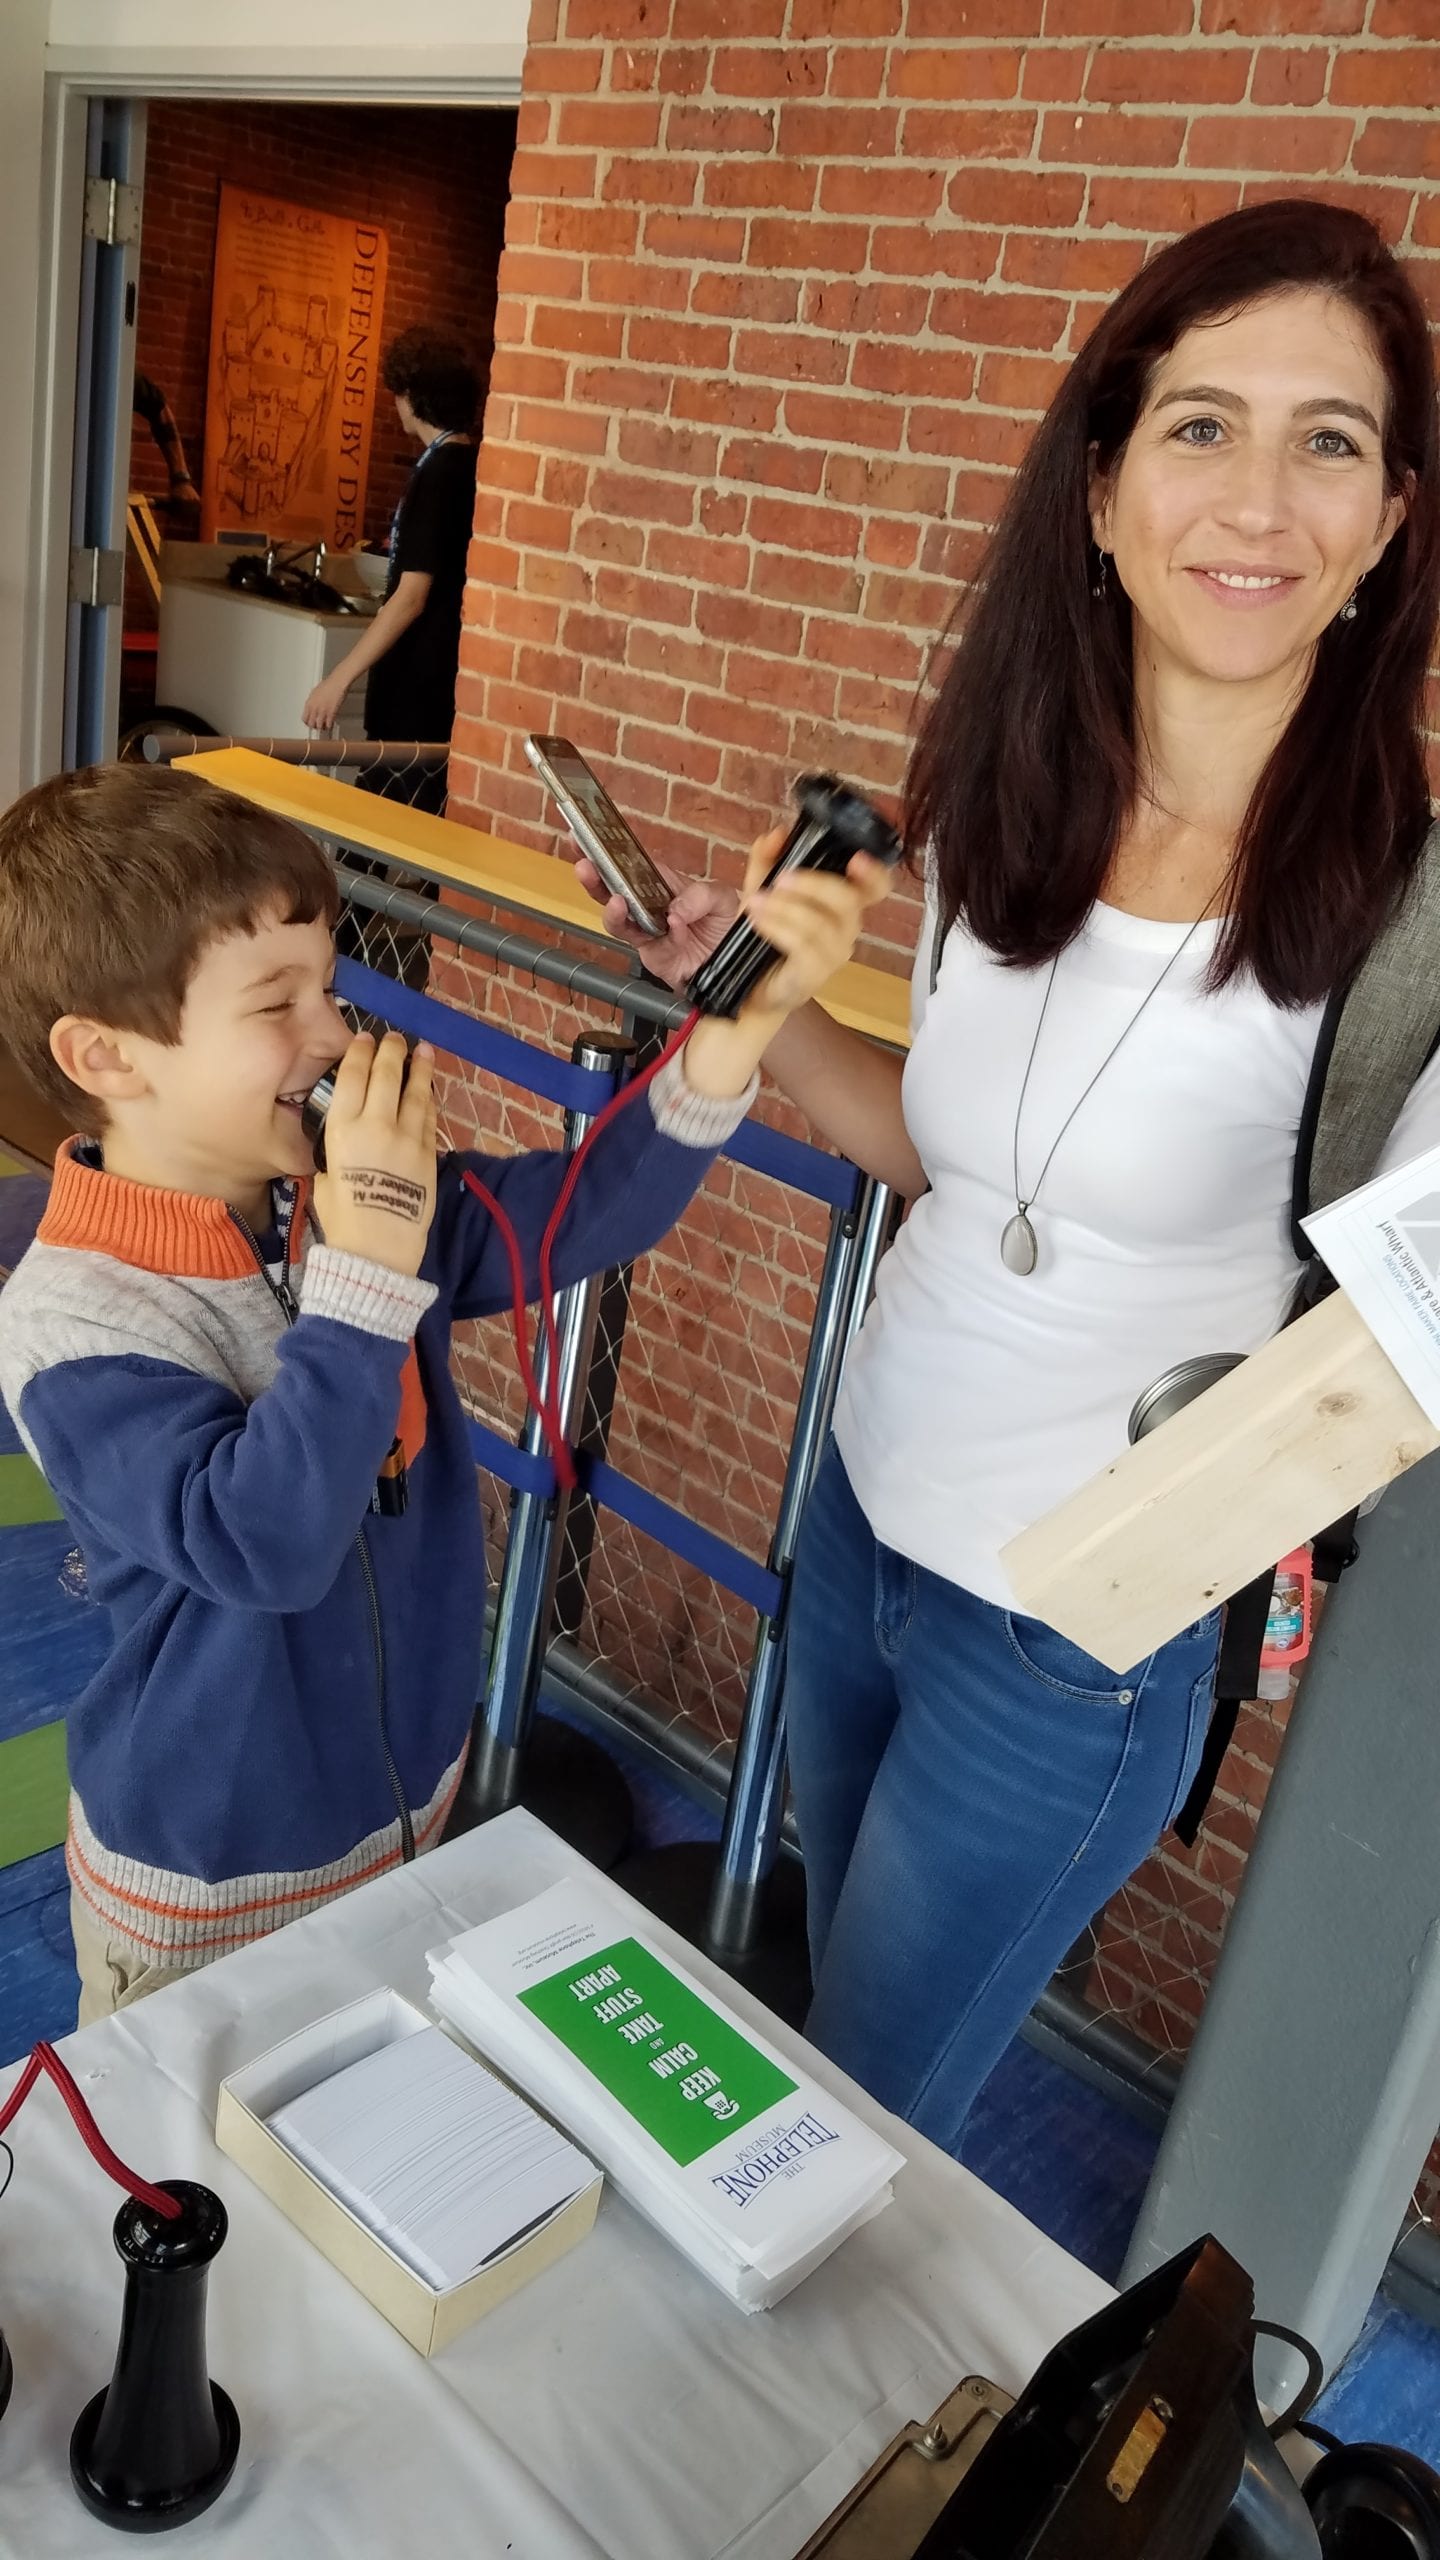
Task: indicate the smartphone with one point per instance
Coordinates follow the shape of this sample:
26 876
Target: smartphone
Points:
601 832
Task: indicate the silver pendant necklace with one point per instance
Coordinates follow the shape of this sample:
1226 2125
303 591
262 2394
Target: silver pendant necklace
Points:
1019 1244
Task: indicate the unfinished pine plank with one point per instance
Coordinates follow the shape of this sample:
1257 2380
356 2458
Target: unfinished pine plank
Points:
1291 1440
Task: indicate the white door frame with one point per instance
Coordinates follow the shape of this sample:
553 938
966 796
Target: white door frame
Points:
455 75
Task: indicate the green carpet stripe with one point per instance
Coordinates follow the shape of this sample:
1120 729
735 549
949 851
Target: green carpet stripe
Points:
33 1792
24 1494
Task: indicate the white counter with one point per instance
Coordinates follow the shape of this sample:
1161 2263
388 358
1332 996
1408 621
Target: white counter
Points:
247 665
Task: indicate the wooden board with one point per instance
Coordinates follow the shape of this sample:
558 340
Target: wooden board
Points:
1285 1444
486 866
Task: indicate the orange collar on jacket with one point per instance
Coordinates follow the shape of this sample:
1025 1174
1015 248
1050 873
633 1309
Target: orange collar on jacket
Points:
177 1232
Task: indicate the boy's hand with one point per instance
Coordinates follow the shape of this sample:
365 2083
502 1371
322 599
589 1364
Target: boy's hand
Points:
813 919
376 1197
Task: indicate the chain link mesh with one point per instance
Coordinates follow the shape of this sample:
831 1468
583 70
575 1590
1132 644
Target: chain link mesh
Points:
696 1367
695 1380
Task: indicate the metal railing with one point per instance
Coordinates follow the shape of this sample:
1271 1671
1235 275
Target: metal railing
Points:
542 1548
326 755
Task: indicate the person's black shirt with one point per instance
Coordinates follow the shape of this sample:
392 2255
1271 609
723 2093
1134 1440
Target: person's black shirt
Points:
411 690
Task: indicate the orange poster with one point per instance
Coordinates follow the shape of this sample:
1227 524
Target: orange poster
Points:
294 367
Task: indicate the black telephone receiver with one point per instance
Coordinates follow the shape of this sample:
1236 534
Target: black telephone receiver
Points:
834 823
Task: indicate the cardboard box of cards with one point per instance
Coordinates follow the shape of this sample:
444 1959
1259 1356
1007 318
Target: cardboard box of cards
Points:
419 2174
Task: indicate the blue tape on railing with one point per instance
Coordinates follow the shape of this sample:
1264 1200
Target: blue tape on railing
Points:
769 1151
685 1538
724 1564
517 1467
425 1018
789 1160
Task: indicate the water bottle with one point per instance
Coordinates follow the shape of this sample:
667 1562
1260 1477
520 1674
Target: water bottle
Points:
1287 1627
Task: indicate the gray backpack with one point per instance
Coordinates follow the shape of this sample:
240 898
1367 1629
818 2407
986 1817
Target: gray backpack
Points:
1377 1034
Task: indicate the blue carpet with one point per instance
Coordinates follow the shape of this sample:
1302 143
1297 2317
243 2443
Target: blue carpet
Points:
664 1814
1073 2163
1078 2166
39 1986
1388 2391
54 1641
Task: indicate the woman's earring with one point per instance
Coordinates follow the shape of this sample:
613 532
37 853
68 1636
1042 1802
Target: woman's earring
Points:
1349 608
1097 584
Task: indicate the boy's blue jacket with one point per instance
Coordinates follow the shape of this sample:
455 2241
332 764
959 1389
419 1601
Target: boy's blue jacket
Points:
288 1670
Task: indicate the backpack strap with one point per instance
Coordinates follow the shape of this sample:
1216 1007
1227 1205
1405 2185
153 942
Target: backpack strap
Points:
1376 1035
1242 1636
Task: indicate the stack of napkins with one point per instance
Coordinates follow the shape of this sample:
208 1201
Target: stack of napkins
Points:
749 2167
433 2154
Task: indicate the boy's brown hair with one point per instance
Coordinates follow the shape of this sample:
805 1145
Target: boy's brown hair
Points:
113 882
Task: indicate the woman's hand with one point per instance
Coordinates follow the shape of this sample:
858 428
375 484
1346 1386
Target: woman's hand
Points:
376 1197
701 912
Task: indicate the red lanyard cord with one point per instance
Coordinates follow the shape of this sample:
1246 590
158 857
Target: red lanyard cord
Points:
45 2058
546 1402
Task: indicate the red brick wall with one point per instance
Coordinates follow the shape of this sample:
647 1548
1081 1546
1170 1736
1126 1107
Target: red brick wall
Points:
435 178
786 285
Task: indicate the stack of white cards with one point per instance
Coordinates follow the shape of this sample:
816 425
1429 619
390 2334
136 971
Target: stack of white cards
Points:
747 2165
433 2154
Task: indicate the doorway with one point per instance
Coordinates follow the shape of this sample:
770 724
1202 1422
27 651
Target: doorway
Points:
134 202
428 183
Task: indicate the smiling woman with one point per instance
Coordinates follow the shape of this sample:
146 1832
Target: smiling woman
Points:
1243 452
1170 790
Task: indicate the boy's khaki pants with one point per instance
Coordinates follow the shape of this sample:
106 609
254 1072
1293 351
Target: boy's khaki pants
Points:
112 1972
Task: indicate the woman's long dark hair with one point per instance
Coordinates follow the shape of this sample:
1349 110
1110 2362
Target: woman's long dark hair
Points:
1025 770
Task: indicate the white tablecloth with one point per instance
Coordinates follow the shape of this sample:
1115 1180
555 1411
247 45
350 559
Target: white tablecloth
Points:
618 2407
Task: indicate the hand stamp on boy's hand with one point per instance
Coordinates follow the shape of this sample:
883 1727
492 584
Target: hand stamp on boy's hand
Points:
370 1187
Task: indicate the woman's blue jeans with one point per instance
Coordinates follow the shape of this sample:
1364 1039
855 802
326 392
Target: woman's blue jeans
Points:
970 1788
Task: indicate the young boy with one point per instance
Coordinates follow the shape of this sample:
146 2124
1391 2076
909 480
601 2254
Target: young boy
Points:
210 1354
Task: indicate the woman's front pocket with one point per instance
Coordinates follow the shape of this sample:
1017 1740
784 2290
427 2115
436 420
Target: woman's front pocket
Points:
1052 1658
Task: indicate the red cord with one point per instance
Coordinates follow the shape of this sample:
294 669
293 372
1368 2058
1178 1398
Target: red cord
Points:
45 2058
545 1402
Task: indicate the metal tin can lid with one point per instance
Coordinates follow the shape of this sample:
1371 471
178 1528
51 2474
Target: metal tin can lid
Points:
1178 1387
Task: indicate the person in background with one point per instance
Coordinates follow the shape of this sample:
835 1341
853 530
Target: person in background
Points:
410 653
1172 787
